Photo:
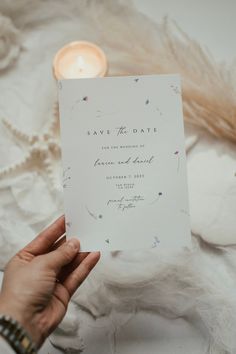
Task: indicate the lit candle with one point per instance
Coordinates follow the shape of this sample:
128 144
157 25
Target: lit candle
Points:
80 59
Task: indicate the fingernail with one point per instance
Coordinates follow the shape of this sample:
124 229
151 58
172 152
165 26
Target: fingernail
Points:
96 254
74 243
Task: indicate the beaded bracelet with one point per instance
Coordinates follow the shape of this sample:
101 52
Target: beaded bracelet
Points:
16 336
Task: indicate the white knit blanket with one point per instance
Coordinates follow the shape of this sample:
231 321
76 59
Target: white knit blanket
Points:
197 286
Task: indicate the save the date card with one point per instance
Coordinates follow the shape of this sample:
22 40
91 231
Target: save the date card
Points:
124 163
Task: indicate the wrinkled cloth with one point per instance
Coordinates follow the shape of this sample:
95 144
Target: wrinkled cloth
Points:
5 347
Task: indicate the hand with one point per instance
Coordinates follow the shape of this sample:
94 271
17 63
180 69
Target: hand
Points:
41 278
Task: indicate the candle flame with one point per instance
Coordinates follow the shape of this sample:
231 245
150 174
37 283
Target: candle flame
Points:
80 63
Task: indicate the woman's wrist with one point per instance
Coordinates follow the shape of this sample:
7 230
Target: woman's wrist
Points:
8 308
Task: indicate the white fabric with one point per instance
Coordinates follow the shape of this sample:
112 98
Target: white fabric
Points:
212 185
197 286
5 347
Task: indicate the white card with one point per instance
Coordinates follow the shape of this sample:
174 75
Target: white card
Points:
124 164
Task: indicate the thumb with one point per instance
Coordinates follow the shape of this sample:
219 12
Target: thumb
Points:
63 255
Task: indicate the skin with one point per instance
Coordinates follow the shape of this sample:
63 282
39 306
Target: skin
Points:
41 278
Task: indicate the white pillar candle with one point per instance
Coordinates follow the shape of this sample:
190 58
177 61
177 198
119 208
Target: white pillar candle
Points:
79 59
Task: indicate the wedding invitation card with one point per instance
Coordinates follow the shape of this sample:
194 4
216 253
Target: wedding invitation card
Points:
124 164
